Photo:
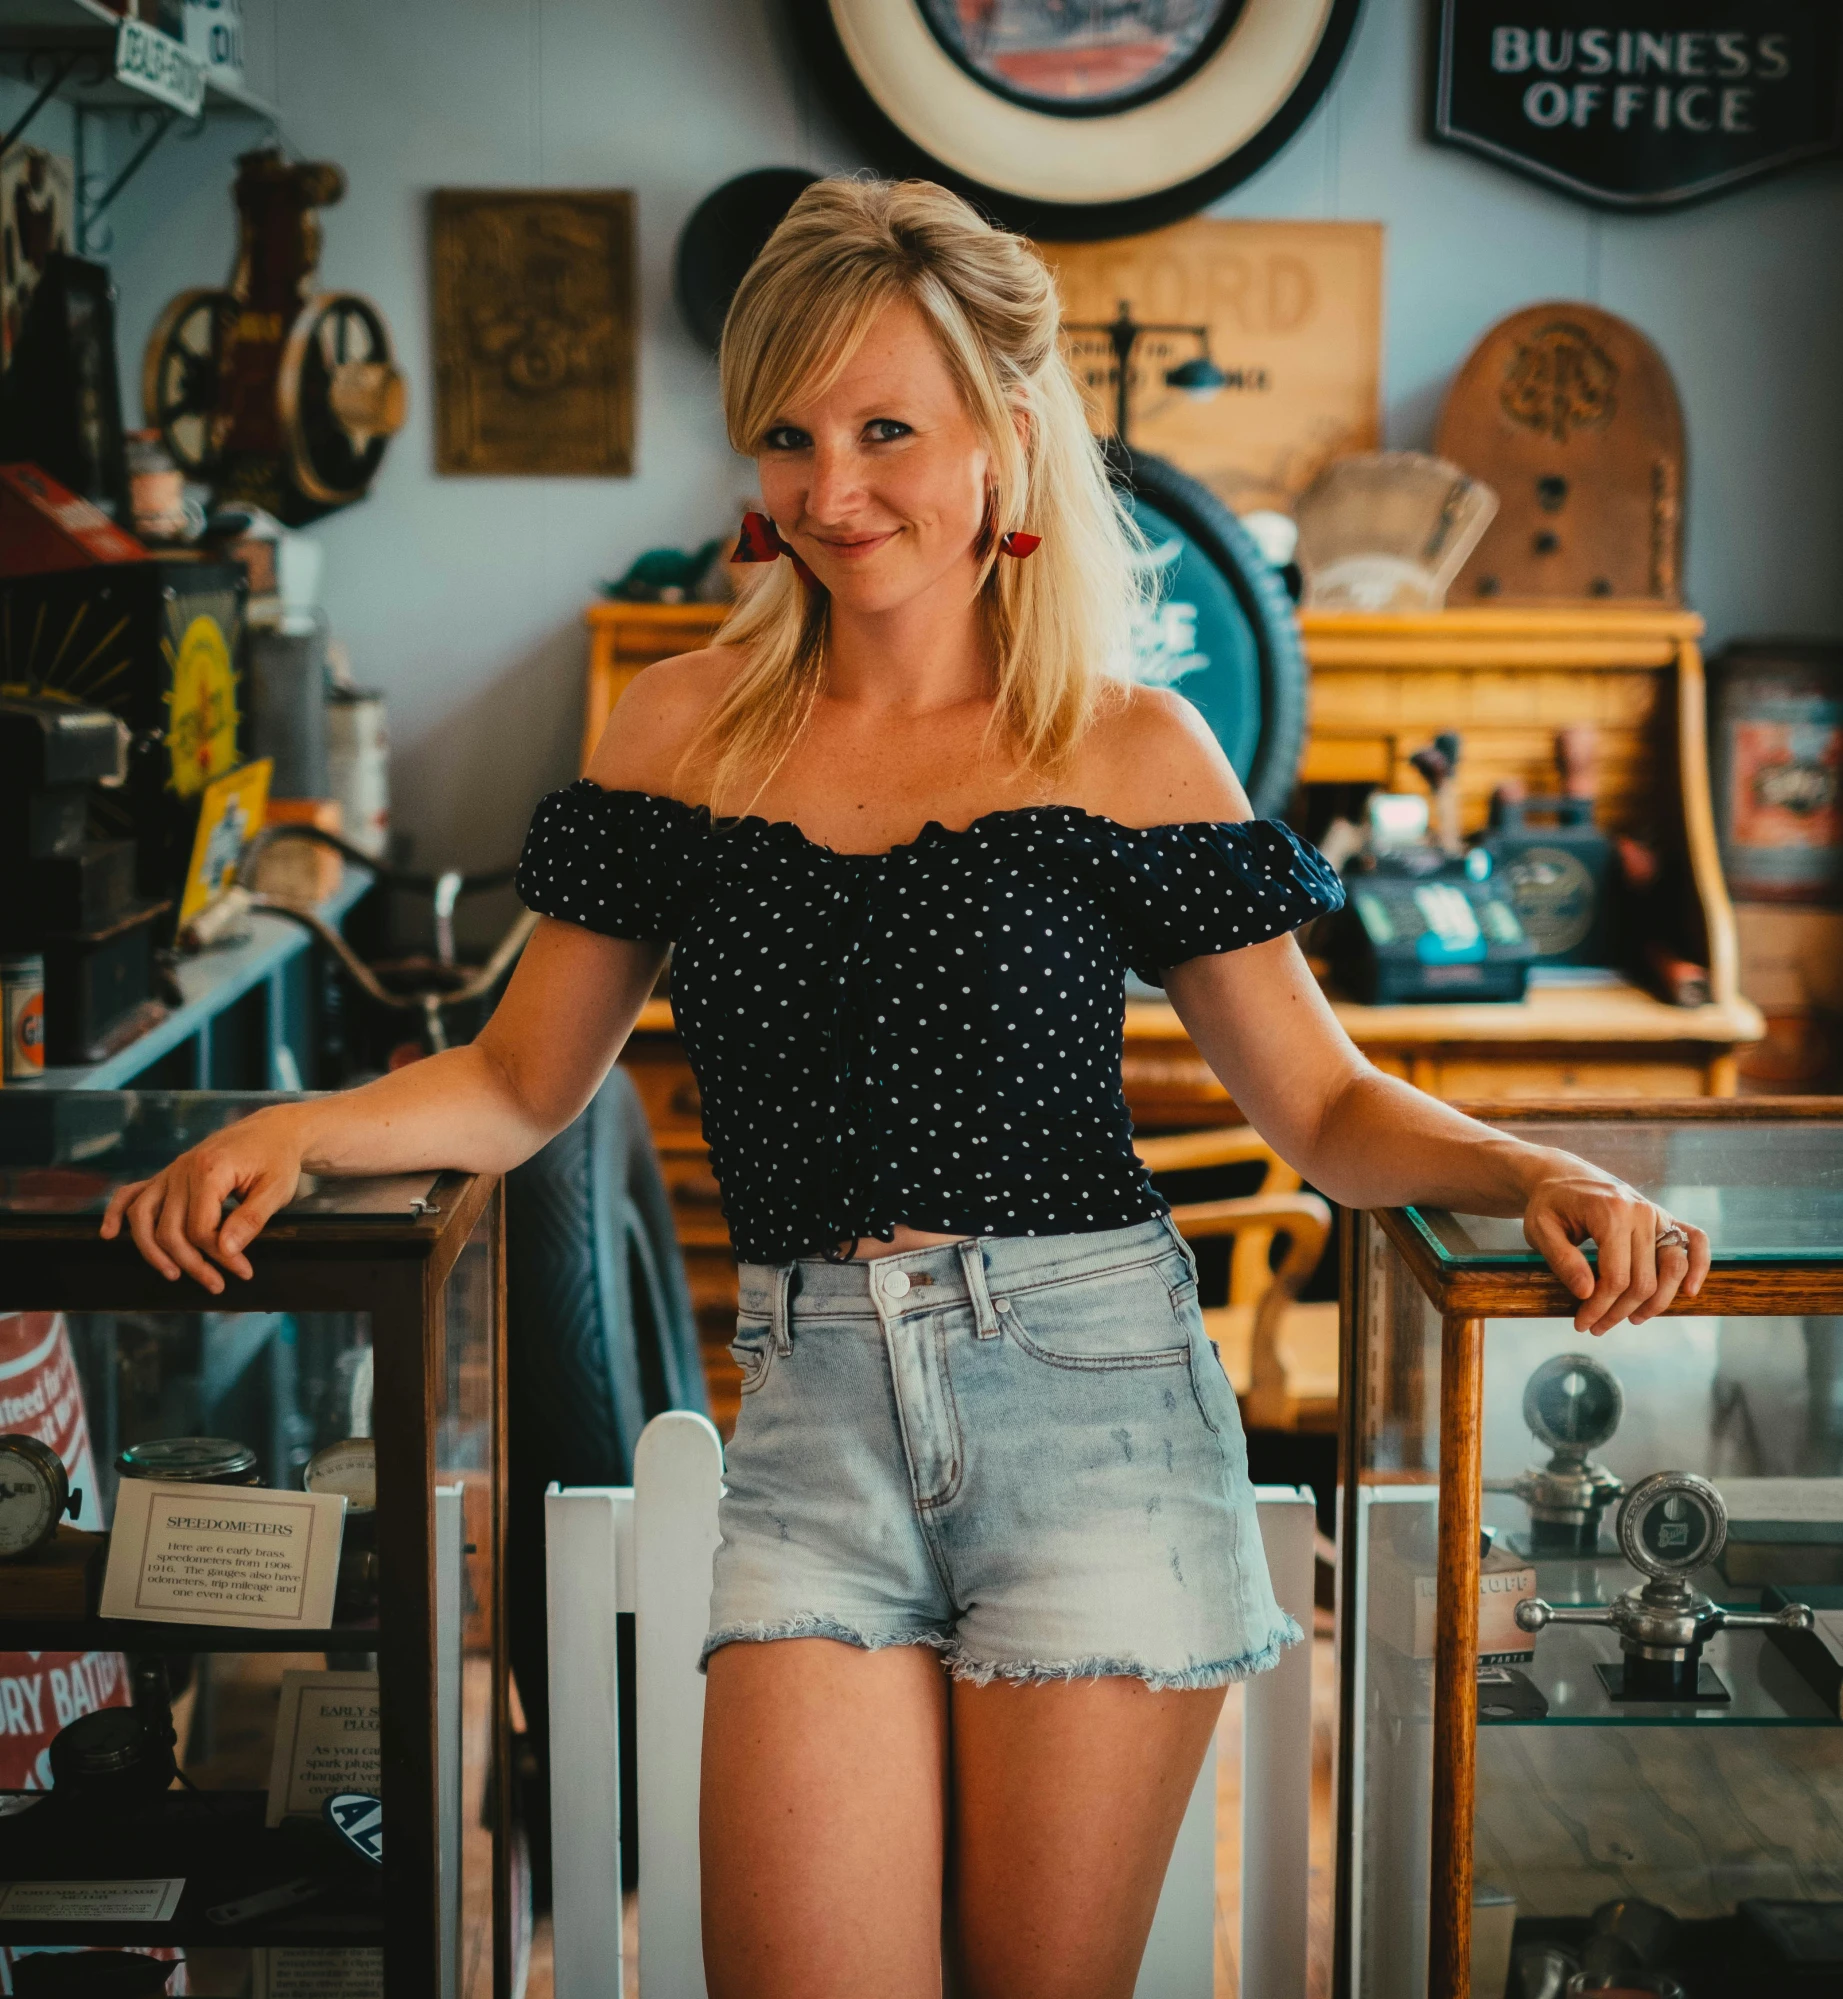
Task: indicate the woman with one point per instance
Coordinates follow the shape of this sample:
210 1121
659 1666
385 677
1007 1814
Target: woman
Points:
989 1552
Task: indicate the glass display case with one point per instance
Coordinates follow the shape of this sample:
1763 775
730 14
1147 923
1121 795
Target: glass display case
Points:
1591 1590
164 1783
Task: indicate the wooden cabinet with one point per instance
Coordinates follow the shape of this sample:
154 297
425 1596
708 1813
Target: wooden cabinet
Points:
1507 680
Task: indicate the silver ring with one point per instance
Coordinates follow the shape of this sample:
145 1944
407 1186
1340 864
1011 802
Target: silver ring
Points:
1672 1236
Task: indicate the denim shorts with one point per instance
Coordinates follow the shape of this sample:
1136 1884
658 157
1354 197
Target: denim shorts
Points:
1020 1450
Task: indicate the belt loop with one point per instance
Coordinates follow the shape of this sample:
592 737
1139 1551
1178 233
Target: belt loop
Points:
780 1316
972 1263
1183 1248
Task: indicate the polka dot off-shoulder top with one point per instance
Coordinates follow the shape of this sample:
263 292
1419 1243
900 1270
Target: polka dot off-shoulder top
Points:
929 1036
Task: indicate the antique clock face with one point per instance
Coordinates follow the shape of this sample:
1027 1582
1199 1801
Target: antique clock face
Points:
34 1495
1672 1524
1075 119
1573 1403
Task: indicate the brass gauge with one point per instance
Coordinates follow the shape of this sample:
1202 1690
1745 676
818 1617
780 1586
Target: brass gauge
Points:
35 1495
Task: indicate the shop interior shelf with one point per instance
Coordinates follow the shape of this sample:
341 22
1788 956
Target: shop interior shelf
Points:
28 26
1766 1690
216 1842
134 1634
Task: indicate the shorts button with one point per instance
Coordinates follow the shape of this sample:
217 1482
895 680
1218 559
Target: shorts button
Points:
897 1284
1001 1304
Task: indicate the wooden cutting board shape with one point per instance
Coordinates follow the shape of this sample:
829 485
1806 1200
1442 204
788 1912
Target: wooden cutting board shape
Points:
1571 415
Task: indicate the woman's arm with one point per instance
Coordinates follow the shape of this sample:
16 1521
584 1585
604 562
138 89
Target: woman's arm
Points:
1365 1139
570 1005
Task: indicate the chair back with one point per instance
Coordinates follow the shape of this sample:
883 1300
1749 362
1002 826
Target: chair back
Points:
647 1549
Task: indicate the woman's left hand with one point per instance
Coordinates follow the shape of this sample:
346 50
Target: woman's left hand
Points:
1645 1255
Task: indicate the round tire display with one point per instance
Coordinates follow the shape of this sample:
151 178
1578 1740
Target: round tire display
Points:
1069 119
1221 631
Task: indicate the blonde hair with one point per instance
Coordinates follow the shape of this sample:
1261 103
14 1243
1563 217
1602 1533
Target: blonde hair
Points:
1058 623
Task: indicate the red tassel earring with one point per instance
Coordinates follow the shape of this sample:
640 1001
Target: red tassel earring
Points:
1018 543
761 541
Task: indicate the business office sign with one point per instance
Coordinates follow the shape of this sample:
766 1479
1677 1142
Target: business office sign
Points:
1641 104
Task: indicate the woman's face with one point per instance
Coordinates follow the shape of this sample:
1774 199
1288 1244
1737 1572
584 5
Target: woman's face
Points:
880 482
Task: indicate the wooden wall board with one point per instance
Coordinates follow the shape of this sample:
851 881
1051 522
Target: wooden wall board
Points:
1294 311
532 300
1571 416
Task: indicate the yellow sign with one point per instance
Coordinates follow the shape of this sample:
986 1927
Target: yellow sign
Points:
229 816
202 708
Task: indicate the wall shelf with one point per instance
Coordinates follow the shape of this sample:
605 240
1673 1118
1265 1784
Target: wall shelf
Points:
35 35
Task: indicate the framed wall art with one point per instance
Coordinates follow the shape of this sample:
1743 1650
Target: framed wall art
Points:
1291 313
1070 119
534 331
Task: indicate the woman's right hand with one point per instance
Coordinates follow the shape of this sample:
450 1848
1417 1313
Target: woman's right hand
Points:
178 1219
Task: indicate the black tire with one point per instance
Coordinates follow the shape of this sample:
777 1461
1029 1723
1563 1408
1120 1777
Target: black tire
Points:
894 152
1261 595
600 1339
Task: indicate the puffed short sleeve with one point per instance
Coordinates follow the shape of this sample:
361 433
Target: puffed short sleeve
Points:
624 863
1189 891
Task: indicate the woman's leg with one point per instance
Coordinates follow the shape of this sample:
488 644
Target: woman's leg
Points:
1067 1798
823 1818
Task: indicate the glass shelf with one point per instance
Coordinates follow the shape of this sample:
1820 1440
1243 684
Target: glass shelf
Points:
216 1842
1765 1689
1768 1191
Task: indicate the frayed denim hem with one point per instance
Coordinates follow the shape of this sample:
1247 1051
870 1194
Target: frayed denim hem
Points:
1219 1673
812 1625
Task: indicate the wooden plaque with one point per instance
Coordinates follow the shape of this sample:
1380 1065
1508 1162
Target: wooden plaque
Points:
1294 312
534 331
1570 415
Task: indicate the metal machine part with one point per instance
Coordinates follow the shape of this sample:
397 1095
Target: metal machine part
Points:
1670 1525
35 1495
1573 1404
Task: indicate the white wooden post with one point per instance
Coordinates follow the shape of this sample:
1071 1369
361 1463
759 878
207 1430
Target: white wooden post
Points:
1276 1803
1276 1768
678 1476
588 1558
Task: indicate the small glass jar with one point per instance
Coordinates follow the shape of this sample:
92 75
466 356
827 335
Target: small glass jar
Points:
191 1461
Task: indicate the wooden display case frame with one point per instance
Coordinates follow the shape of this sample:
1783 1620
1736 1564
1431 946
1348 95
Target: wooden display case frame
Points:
1465 1299
395 1272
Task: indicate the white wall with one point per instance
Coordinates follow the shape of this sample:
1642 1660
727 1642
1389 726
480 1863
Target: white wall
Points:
462 597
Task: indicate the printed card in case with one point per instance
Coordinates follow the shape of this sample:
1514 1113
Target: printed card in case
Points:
216 1554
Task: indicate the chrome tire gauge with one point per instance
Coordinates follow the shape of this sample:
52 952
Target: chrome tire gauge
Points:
1572 1403
35 1495
1670 1525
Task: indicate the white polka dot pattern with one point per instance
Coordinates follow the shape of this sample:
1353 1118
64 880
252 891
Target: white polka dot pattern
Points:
930 1036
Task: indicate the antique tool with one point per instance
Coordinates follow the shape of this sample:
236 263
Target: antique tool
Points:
1572 416
60 407
276 392
1573 1404
1420 924
1561 874
35 1495
1670 1525
156 643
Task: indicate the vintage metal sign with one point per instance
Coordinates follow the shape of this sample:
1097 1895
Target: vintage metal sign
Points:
155 63
1641 104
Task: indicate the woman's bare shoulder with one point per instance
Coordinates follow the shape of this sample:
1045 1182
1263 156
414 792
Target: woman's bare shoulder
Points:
658 718
1149 759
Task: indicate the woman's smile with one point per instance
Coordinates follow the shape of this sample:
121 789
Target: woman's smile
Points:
854 547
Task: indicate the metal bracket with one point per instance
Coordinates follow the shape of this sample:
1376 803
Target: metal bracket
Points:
90 212
53 84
